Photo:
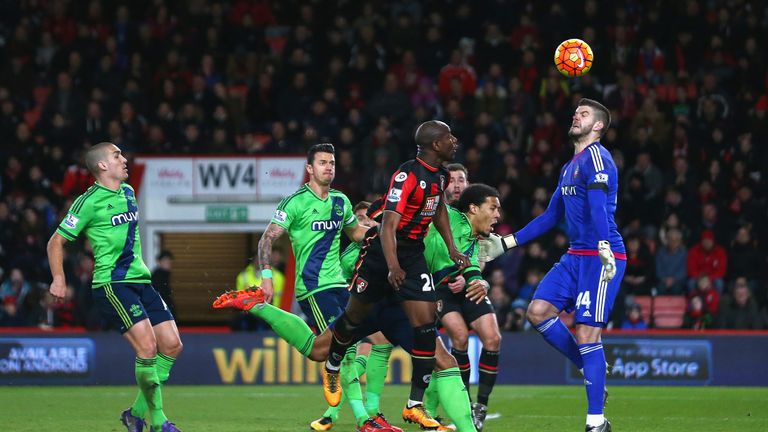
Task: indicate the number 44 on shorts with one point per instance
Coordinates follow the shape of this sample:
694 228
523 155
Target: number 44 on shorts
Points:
583 300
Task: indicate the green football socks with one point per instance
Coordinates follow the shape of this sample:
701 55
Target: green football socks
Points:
333 412
375 374
291 328
350 387
148 382
163 367
455 399
431 398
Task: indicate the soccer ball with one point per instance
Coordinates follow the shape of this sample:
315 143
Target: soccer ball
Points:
573 57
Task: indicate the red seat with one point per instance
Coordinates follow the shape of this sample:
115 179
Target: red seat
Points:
669 311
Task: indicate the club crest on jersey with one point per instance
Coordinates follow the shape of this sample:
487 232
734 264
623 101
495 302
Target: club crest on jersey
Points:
423 184
394 195
71 221
576 172
360 284
125 217
401 177
338 210
430 206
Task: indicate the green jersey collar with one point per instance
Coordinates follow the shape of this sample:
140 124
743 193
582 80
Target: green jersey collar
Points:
306 185
116 192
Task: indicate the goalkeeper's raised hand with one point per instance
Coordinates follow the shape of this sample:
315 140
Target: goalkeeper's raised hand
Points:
607 259
495 245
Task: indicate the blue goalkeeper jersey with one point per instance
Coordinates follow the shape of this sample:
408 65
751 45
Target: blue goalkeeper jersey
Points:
586 197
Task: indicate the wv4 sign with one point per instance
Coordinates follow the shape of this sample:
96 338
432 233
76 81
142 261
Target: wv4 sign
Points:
655 361
225 175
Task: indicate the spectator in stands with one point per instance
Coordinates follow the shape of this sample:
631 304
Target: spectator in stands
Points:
671 261
634 320
459 71
651 175
710 220
696 316
739 310
532 279
707 258
257 80
639 276
13 296
161 279
59 314
500 300
744 257
710 297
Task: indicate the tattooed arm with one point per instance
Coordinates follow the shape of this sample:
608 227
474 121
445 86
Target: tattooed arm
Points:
272 233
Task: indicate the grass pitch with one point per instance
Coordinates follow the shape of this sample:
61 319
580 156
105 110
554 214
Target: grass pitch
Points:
291 408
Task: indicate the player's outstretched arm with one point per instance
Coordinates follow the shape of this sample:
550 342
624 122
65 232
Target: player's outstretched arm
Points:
272 233
495 245
56 263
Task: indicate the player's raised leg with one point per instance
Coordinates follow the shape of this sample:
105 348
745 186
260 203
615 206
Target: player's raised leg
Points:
291 328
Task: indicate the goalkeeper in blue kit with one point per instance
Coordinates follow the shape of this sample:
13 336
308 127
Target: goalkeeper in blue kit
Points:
588 276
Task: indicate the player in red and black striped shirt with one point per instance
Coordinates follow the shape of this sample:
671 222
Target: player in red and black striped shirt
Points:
392 264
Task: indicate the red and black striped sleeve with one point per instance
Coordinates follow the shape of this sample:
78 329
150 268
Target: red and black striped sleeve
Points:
400 188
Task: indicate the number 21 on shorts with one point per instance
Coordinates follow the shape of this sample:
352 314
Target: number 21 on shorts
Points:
429 284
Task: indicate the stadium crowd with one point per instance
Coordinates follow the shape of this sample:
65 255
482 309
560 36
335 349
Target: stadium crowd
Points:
686 82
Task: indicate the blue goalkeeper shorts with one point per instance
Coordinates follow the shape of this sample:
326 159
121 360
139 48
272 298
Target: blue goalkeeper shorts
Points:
575 283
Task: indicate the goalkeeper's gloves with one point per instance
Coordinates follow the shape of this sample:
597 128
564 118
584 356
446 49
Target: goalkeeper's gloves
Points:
495 245
607 259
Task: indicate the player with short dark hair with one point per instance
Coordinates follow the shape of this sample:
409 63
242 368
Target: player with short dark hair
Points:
460 306
314 217
588 276
108 214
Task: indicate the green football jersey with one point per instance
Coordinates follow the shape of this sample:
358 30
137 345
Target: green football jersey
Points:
349 259
436 252
110 220
314 226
